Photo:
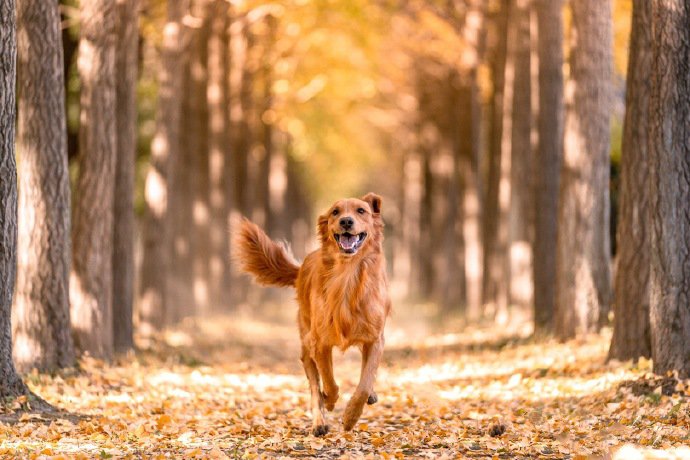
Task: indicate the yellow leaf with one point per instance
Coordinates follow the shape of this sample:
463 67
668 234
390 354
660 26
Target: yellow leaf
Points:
163 420
377 441
216 453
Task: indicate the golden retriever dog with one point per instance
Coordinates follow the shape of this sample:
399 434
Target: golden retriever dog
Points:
342 290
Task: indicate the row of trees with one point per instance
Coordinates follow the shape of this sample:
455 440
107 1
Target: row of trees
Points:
505 159
76 281
509 161
496 164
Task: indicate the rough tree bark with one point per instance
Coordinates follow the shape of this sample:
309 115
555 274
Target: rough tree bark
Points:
10 383
123 229
164 152
41 327
669 154
583 285
548 159
92 231
631 334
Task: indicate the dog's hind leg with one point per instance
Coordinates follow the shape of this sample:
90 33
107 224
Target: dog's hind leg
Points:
319 426
324 362
371 354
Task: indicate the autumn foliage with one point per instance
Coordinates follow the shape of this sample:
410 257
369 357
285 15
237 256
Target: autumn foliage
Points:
228 388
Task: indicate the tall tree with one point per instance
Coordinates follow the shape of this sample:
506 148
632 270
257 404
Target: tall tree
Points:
123 230
520 214
42 335
583 285
197 142
548 159
41 329
669 154
92 232
240 98
631 335
164 152
473 31
180 285
218 139
10 383
495 276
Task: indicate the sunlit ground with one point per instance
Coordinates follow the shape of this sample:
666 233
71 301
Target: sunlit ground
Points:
233 387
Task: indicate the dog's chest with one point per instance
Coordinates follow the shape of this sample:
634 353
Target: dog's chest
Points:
353 314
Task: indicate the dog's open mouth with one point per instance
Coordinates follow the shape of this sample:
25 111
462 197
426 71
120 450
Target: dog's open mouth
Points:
349 243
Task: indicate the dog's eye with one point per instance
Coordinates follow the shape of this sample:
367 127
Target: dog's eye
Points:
361 210
335 212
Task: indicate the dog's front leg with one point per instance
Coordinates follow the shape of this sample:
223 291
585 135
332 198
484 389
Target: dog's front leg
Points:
324 361
319 426
371 354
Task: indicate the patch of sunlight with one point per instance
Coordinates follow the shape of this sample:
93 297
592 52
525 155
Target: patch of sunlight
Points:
178 339
632 452
68 446
166 377
118 398
259 382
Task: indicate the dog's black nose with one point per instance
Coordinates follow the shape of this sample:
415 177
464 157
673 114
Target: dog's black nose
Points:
347 223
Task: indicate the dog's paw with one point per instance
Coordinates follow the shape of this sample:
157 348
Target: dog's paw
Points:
320 430
373 399
330 398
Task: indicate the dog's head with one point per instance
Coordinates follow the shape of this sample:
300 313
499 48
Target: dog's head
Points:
352 224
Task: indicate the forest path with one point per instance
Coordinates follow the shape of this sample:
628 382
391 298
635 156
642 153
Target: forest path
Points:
233 387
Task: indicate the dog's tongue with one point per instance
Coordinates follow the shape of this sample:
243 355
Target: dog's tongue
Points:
348 241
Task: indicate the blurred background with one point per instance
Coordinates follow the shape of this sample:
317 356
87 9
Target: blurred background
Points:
273 110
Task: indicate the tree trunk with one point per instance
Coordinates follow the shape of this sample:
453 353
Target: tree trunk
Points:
631 335
41 329
164 152
669 153
92 232
548 159
520 215
426 272
495 276
583 254
471 222
454 291
271 162
198 145
240 84
218 139
123 230
407 262
470 155
239 96
10 383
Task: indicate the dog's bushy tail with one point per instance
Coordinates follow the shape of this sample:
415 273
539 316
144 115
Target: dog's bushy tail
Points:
271 263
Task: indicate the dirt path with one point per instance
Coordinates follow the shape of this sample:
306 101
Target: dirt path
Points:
228 387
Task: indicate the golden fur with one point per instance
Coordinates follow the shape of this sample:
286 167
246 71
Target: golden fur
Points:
343 297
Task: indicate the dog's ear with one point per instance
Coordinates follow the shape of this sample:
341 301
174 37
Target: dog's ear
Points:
374 202
322 227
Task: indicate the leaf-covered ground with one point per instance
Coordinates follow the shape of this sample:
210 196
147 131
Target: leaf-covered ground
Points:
233 388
